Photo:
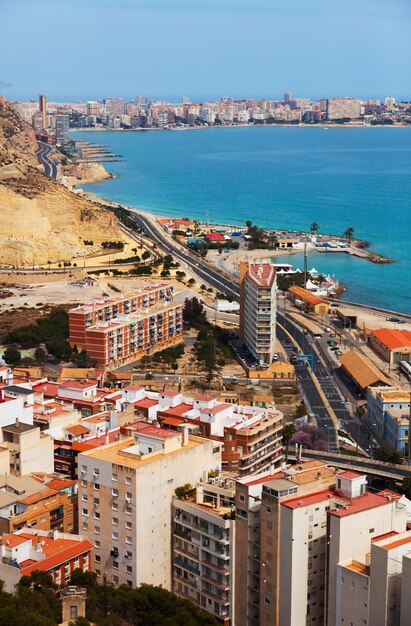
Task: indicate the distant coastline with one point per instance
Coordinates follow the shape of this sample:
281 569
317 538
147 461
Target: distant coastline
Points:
328 126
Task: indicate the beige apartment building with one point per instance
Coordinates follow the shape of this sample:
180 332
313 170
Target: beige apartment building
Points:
126 490
258 309
260 588
314 546
203 547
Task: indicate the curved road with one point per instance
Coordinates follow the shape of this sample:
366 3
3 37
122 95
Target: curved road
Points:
324 375
51 166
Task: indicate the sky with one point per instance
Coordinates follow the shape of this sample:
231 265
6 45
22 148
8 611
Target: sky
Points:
204 49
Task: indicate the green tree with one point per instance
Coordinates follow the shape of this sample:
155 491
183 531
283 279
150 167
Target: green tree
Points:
146 255
348 234
40 355
314 228
288 431
388 454
12 356
406 485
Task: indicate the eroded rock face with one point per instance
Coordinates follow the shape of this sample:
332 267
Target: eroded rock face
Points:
40 219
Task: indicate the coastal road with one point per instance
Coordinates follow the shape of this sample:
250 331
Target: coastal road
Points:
51 166
308 387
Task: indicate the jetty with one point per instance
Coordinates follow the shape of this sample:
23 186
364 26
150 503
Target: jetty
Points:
95 153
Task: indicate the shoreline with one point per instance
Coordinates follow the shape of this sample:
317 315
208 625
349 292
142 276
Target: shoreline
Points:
328 126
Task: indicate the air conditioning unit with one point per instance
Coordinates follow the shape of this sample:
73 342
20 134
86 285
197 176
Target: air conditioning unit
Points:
129 555
114 552
128 500
84 472
115 494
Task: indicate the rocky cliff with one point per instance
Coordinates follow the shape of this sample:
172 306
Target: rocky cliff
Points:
40 219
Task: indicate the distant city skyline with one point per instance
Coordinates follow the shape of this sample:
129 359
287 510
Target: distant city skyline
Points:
166 49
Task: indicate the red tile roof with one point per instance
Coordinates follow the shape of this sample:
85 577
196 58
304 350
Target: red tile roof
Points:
145 403
76 384
178 410
262 274
311 498
350 475
159 433
215 237
392 338
173 421
362 503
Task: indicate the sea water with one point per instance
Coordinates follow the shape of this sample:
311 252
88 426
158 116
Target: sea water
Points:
282 177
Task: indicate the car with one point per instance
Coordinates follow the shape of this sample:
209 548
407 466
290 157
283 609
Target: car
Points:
331 342
334 304
333 335
400 321
338 353
333 348
289 340
327 330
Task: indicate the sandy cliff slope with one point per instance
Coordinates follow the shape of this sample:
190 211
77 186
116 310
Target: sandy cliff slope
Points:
40 219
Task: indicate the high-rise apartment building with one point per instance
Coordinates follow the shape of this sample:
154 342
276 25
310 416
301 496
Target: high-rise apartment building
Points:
126 490
306 538
62 128
43 111
258 307
203 547
339 108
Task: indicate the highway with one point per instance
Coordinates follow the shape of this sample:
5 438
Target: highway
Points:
309 390
51 166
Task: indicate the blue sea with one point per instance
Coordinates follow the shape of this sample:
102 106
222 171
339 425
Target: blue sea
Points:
283 177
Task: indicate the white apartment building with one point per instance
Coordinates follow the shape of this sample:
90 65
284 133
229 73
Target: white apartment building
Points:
125 494
203 547
258 308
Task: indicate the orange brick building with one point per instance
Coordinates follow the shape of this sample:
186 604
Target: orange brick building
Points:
114 332
104 310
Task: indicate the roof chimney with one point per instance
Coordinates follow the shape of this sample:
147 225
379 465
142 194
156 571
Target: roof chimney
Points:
185 434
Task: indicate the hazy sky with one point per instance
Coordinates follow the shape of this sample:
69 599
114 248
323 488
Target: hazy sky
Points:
89 49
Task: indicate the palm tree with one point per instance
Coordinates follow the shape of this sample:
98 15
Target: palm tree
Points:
314 228
348 234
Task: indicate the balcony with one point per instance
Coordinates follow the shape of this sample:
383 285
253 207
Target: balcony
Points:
187 566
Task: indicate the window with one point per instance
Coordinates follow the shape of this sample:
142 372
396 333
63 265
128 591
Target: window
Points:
115 580
372 530
129 569
84 469
84 497
129 525
129 539
128 510
73 611
84 526
114 535
96 501
43 520
115 521
115 564
129 496
96 515
267 600
97 544
97 530
114 493
128 480
84 512
242 497
269 509
84 483
96 487
130 583
96 472
114 477
114 506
